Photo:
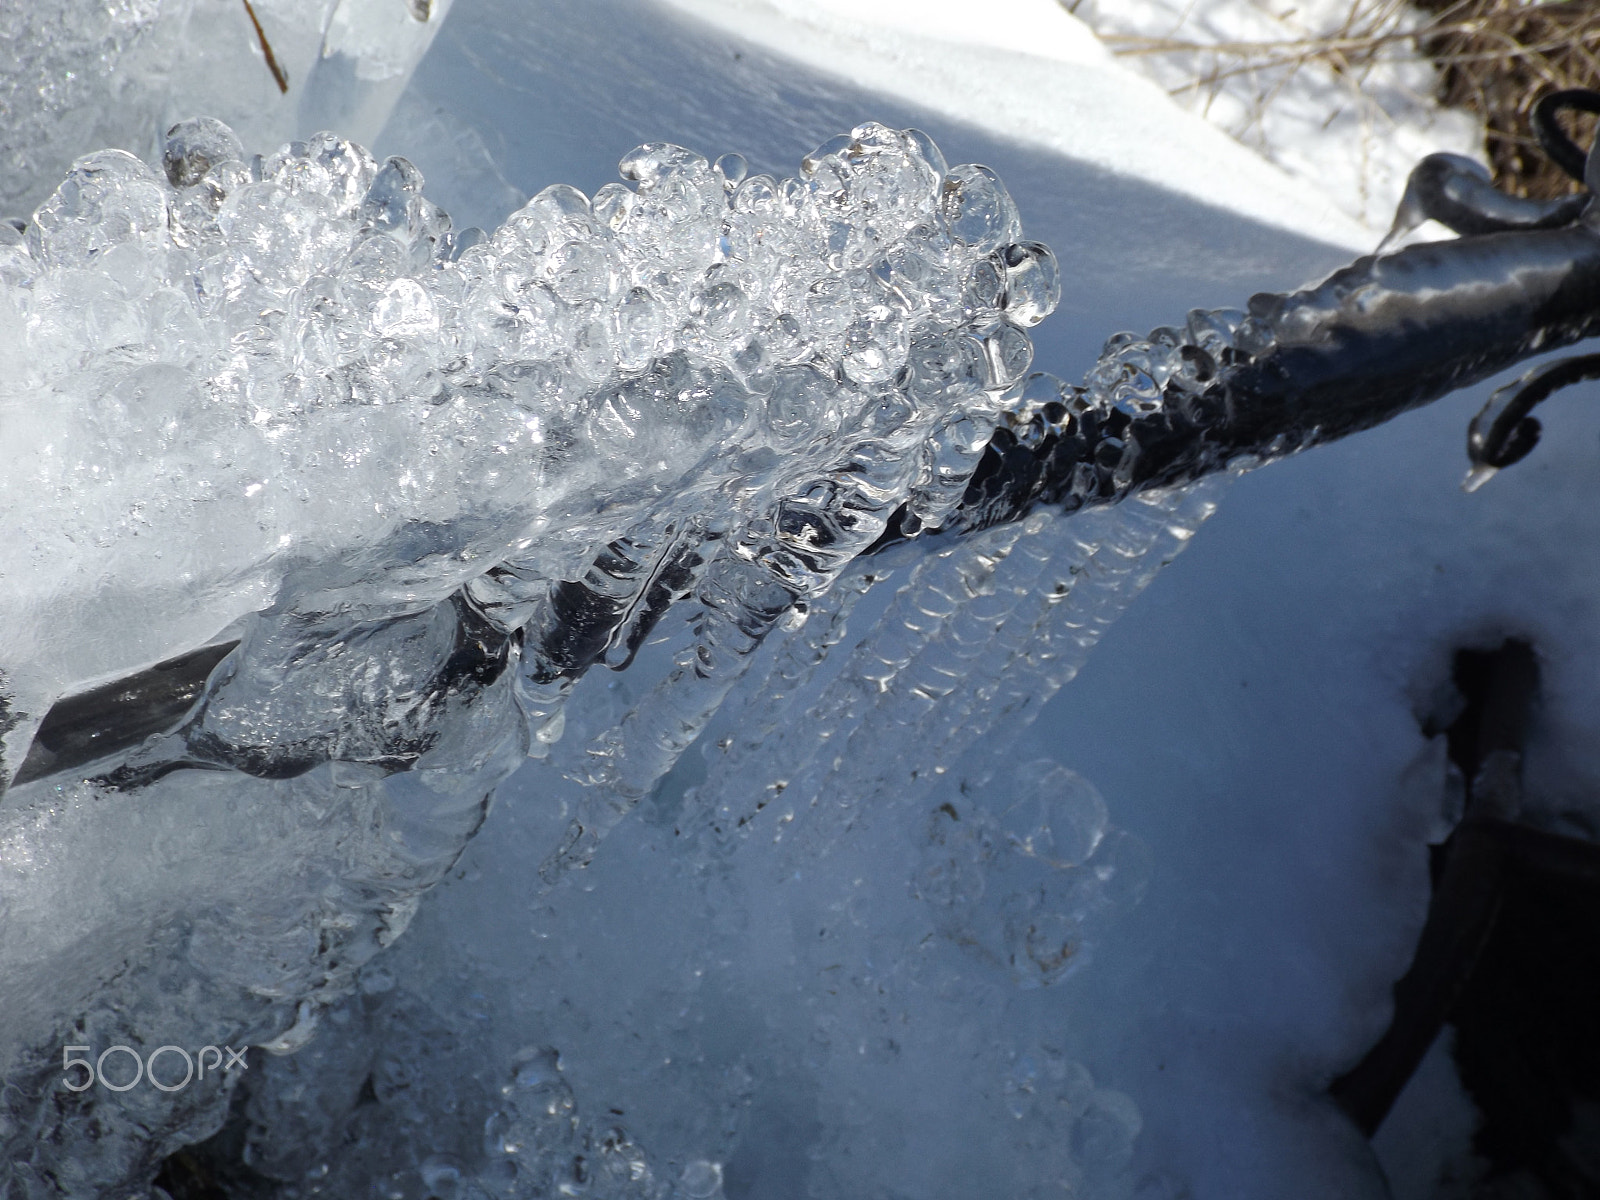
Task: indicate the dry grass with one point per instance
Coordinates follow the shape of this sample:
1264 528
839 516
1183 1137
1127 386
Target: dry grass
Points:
1494 58
1497 57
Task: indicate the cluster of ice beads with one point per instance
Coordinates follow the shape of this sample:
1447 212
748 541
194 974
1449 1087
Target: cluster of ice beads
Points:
295 359
1169 370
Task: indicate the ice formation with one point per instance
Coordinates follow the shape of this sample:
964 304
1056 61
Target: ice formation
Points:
857 767
281 361
427 477
281 397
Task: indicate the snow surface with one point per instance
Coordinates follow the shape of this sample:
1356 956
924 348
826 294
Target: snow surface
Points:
1031 69
1251 720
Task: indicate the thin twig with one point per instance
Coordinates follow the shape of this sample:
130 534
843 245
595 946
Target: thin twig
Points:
279 75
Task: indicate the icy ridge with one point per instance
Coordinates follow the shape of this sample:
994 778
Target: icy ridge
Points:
974 643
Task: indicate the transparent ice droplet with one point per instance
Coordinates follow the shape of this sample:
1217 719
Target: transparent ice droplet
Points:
830 307
350 168
1038 401
1212 330
949 456
193 147
462 240
1010 354
612 204
1104 1134
561 203
875 350
720 307
393 202
641 328
802 405
1117 341
1253 336
986 288
732 168
701 1180
108 199
943 367
1122 868
1133 377
781 335
655 164
294 169
405 311
833 147
977 209
1055 815
757 194
928 151
1033 282
580 271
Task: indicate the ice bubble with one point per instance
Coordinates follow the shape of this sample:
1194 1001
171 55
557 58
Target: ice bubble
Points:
1057 815
193 147
405 310
1106 1130
732 168
1122 867
700 1180
803 404
977 209
348 168
393 203
110 199
1009 354
1033 282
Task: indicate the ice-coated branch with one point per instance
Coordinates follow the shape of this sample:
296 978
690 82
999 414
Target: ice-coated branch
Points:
286 384
702 385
